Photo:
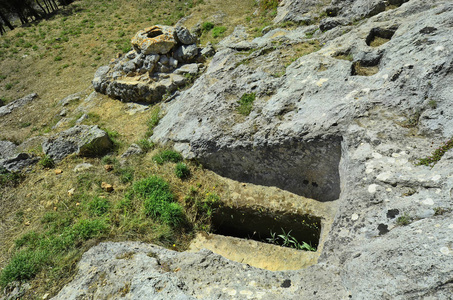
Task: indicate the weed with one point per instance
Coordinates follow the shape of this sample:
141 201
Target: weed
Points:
125 174
403 220
145 145
182 171
218 31
58 58
47 162
268 4
436 155
167 156
87 229
432 104
246 104
287 240
8 86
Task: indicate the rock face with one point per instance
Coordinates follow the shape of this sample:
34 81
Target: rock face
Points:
83 140
345 124
154 68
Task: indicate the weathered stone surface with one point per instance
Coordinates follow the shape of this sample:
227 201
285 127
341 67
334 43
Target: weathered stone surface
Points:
7 149
133 149
83 140
330 23
7 109
328 131
156 39
18 163
184 36
186 53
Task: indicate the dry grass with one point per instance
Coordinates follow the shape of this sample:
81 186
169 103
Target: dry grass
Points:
378 41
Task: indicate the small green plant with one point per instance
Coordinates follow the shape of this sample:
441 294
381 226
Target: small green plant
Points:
246 104
403 220
11 179
47 162
167 156
287 240
218 31
182 171
206 26
98 206
268 4
432 104
145 145
58 58
8 86
125 174
436 155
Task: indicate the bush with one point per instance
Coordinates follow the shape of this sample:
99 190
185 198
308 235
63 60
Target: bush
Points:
182 171
10 178
206 26
167 156
158 200
47 162
218 31
246 104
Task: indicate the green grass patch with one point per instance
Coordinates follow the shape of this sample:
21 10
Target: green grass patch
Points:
218 31
167 156
158 200
246 104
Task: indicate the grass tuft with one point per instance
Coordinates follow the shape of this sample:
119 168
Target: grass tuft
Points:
246 104
167 156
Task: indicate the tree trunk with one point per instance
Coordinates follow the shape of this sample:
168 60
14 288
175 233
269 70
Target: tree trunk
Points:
42 8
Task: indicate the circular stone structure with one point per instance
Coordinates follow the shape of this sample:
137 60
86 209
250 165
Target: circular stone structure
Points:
156 39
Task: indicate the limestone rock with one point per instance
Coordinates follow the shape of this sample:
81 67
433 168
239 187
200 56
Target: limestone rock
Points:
133 149
7 149
82 167
18 162
186 53
184 36
83 140
7 109
156 39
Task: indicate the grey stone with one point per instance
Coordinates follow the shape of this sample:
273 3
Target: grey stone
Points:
184 36
186 53
7 109
191 69
330 23
81 139
7 149
18 163
208 51
70 99
133 149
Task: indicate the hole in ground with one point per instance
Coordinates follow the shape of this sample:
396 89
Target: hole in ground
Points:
154 33
306 168
259 225
379 36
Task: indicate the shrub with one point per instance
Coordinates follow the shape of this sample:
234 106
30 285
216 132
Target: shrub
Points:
436 155
47 162
98 206
182 171
218 31
167 156
246 104
404 220
268 4
10 178
206 26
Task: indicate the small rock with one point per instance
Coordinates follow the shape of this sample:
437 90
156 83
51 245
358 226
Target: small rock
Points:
107 187
27 223
71 192
108 168
82 167
58 171
55 208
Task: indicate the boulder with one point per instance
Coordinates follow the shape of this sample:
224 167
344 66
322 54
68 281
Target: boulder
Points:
83 140
156 39
330 23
